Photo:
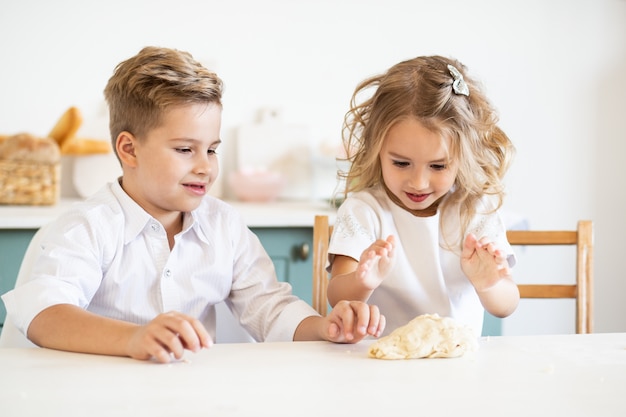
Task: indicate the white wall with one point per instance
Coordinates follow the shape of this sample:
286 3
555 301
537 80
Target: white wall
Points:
556 70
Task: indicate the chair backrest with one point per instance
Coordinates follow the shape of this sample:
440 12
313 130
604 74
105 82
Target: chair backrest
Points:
321 239
581 290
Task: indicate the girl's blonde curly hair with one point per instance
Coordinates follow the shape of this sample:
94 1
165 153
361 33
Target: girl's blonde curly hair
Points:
422 88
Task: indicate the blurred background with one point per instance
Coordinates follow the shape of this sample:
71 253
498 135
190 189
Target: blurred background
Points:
555 70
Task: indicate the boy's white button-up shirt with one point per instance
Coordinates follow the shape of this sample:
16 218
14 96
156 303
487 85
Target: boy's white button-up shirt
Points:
109 256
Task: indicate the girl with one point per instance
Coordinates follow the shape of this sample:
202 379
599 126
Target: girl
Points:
419 231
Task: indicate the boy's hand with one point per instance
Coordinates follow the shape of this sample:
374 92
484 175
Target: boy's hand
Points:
351 321
168 334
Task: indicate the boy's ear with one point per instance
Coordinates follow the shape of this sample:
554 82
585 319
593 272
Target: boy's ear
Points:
125 147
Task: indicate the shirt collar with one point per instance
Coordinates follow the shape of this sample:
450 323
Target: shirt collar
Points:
136 219
193 221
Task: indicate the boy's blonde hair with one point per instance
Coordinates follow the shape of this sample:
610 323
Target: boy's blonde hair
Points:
422 88
147 84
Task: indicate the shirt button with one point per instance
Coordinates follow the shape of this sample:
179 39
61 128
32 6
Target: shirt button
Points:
155 227
167 273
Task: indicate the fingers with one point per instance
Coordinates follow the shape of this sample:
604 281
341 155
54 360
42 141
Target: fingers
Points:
203 336
369 260
491 250
483 263
169 334
368 320
376 261
377 322
380 247
354 320
334 332
482 246
470 245
360 321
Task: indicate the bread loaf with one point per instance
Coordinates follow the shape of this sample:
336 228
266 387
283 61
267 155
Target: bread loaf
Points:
78 147
25 147
67 126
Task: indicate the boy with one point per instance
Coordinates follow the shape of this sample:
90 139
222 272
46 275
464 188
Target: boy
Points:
136 269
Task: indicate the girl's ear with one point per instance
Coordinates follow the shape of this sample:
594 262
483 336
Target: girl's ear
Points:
125 147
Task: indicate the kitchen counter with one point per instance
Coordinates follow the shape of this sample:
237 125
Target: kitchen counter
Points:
275 214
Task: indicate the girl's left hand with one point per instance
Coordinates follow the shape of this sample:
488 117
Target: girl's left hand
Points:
483 263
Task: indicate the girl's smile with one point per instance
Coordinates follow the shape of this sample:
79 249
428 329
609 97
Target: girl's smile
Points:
418 198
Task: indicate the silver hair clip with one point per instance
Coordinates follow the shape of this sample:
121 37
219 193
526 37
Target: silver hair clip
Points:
458 85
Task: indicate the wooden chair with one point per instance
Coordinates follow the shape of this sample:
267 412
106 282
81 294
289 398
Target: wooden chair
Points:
321 239
582 290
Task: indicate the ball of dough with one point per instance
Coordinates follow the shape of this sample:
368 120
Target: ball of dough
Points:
426 336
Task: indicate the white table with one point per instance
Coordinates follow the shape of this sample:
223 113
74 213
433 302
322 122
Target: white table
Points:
568 375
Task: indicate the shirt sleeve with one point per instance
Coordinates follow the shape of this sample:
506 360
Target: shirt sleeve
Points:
356 227
265 307
46 279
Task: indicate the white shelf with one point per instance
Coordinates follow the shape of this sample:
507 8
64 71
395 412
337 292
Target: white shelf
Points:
275 214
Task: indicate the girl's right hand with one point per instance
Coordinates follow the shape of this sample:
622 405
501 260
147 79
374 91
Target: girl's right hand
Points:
376 262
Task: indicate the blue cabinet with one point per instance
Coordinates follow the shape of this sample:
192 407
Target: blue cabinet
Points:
13 244
492 326
290 250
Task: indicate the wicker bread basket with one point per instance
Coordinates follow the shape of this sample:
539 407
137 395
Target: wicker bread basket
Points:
30 171
29 183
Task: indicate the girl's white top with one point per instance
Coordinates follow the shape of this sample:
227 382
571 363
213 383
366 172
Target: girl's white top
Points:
426 275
